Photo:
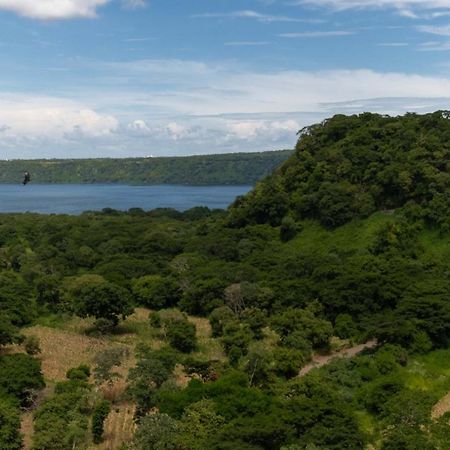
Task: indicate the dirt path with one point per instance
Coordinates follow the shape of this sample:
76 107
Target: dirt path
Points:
322 360
441 407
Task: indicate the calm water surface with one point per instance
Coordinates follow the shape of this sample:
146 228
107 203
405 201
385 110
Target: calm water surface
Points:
74 199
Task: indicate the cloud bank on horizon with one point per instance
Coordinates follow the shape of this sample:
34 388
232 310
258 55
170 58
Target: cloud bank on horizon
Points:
89 78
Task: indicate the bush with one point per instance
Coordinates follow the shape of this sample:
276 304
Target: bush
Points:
32 346
99 416
181 335
288 229
20 375
219 318
80 373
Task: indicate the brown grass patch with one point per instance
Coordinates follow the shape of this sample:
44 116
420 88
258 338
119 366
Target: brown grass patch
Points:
119 427
62 350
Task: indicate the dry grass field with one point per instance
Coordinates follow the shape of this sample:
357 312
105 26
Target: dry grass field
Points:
73 343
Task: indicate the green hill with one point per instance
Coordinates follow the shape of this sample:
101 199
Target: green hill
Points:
348 167
233 168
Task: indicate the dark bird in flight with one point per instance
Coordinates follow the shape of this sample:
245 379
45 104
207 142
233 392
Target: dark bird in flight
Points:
26 178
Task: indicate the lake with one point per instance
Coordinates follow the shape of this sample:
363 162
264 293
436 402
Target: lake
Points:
76 198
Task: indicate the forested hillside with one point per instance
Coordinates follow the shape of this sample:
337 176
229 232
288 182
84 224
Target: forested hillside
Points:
233 168
202 328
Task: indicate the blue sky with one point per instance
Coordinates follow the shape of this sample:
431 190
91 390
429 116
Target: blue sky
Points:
90 78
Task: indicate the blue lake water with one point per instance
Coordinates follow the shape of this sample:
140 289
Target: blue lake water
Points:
76 198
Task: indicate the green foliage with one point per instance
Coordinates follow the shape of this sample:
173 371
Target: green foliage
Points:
99 415
153 368
9 334
61 422
235 168
155 292
20 376
32 345
304 322
80 373
199 424
350 166
157 432
288 229
219 318
105 361
181 335
105 301
10 436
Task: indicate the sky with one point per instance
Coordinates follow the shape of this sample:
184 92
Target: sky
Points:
120 78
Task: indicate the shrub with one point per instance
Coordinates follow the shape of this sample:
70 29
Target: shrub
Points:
181 335
32 346
99 416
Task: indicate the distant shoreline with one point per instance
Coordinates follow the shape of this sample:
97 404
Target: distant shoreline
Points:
228 169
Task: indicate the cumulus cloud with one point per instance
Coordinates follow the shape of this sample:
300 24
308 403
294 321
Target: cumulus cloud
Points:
183 107
53 9
51 118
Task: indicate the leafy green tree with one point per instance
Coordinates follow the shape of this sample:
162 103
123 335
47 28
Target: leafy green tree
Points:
104 301
158 432
10 436
101 412
199 423
9 334
155 291
219 318
20 376
181 335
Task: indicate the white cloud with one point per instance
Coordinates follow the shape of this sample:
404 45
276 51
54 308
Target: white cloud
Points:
139 126
53 9
248 14
182 107
399 4
437 30
134 4
245 43
413 9
316 34
51 118
270 130
176 131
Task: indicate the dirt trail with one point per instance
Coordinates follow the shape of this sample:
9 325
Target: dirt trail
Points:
322 360
441 407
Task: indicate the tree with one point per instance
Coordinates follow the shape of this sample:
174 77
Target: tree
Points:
99 416
156 432
155 291
9 334
104 363
105 301
10 436
181 335
20 376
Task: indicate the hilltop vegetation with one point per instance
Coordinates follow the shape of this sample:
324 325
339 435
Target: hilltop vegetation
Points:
226 169
350 167
233 304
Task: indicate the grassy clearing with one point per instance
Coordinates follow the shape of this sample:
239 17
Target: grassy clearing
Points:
68 341
354 235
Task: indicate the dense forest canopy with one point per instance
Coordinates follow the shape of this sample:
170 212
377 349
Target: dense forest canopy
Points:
349 167
226 169
347 243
